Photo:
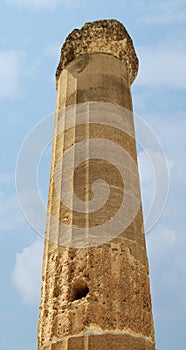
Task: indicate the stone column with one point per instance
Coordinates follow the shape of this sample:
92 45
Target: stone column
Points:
95 291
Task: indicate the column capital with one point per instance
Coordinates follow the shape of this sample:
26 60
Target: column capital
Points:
103 36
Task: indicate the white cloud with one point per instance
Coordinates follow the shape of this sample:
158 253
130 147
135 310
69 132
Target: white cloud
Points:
166 250
170 129
10 214
10 73
162 65
27 272
33 209
166 242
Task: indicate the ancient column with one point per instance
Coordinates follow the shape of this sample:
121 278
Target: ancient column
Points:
95 290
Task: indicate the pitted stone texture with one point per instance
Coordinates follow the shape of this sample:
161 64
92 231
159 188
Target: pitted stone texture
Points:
114 293
104 36
118 292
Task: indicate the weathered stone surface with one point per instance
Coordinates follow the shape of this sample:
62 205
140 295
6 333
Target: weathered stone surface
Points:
107 79
105 36
104 342
96 297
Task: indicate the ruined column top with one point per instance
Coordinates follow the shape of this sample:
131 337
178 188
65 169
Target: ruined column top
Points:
103 36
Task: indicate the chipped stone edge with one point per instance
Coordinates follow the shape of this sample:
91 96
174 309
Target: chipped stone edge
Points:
94 330
103 36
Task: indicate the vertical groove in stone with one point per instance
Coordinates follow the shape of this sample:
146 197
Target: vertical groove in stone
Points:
43 305
86 343
87 133
98 64
54 230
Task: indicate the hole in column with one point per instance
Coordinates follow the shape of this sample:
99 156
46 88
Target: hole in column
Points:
79 290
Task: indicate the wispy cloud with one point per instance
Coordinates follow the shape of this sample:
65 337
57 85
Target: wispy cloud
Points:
11 217
166 242
161 12
163 65
168 12
166 249
170 129
27 272
10 73
10 214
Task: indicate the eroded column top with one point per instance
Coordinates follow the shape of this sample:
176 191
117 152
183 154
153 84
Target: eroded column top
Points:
103 36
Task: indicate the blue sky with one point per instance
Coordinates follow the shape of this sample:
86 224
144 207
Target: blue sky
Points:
31 34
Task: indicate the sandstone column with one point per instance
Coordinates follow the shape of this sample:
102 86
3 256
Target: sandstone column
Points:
95 291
